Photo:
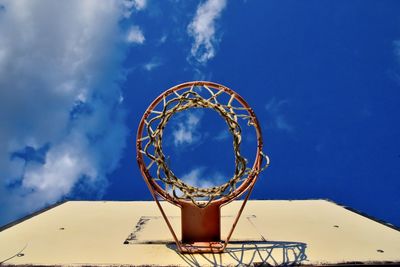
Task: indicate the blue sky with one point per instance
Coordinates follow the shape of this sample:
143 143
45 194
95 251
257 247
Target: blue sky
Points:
322 76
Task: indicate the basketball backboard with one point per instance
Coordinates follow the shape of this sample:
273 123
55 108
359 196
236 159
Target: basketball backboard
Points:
98 233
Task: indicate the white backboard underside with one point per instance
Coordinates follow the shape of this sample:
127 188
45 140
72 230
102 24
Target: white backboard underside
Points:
147 230
308 232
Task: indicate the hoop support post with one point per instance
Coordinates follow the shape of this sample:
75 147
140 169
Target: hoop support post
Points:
200 224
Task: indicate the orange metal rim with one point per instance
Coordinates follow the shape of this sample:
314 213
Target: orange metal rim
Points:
249 181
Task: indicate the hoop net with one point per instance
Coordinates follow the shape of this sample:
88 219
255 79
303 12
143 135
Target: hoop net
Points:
231 107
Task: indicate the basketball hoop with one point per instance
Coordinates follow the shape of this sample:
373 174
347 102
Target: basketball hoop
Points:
200 207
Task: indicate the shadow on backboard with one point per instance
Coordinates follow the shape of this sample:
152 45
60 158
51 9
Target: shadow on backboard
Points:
257 253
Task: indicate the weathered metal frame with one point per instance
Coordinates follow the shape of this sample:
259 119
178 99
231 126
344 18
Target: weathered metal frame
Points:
192 214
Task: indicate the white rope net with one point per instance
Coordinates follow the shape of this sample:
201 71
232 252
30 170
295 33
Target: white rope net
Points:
223 102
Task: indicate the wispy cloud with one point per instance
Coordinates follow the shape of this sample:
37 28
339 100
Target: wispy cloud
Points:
276 109
135 35
186 130
396 46
60 103
163 39
200 178
282 124
222 135
396 49
203 29
133 5
155 62
139 4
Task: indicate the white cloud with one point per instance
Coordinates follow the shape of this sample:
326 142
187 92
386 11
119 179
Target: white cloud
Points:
135 35
282 124
222 135
140 4
186 131
132 5
396 45
60 104
163 39
152 64
276 111
396 50
199 178
202 29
